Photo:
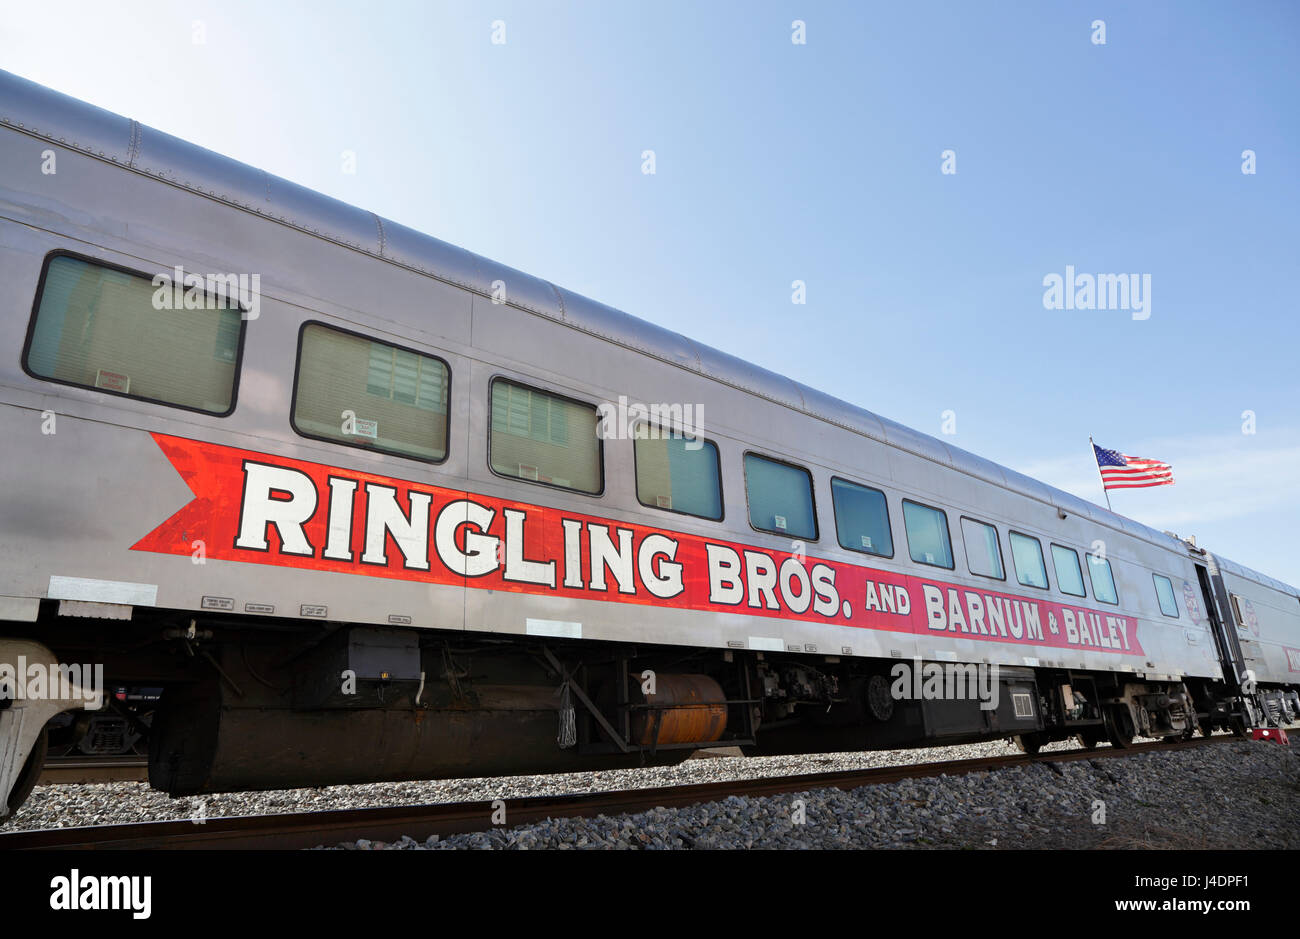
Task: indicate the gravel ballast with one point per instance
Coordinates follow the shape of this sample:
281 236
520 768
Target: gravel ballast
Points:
1230 796
1233 795
68 806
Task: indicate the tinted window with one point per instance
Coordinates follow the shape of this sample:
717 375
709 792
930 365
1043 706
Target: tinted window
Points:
365 393
1165 593
544 438
1069 578
928 541
983 552
861 518
1027 556
1103 584
780 497
112 331
677 473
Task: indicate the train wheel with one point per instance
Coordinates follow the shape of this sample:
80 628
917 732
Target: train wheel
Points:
1238 726
31 772
1119 728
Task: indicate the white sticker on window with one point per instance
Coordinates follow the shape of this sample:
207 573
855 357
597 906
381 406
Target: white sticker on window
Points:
113 381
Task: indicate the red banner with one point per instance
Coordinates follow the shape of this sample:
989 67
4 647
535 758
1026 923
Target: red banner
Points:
262 509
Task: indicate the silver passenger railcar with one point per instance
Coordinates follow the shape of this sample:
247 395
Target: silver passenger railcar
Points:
333 483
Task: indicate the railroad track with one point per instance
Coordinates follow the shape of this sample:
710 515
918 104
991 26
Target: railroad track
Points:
66 770
307 830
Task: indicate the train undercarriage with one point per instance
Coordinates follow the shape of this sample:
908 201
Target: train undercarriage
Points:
284 704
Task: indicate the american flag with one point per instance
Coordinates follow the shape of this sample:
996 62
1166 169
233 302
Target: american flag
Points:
1130 472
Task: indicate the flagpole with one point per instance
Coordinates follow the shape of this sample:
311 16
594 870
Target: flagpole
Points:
1092 447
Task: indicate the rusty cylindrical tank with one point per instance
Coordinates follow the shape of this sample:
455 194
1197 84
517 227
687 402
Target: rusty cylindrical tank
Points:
683 709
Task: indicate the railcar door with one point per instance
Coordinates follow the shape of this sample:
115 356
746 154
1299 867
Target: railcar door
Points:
1225 640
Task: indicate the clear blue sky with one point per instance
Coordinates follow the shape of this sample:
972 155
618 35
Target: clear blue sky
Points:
820 162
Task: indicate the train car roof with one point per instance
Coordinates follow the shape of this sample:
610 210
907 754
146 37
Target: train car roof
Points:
42 112
1232 567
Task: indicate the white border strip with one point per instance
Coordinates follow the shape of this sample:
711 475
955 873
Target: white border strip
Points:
553 627
102 591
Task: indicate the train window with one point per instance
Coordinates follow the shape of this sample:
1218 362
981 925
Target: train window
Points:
1165 593
1103 582
1068 575
544 438
780 497
112 331
361 392
1027 556
983 550
861 518
928 540
680 474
